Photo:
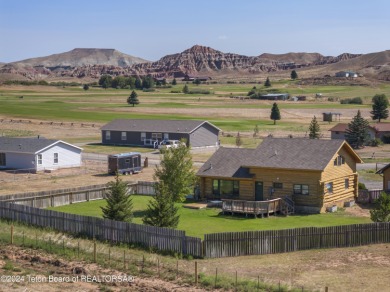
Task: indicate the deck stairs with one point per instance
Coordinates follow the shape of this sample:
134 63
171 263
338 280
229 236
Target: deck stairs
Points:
288 206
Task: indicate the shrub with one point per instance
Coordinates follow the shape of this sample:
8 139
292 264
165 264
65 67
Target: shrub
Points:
199 91
148 89
386 138
375 142
362 186
176 91
355 100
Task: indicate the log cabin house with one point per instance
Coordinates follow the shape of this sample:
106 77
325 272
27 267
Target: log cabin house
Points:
314 174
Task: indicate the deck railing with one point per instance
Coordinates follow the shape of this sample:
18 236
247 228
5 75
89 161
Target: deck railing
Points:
255 208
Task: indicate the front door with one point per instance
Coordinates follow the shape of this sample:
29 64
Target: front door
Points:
259 191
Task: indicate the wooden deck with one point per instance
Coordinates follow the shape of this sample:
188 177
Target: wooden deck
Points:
256 208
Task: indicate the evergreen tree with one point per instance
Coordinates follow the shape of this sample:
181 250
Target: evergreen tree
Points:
356 134
275 113
174 82
256 131
379 107
238 140
176 172
314 129
294 75
161 211
86 87
133 98
119 203
196 81
381 212
267 83
185 89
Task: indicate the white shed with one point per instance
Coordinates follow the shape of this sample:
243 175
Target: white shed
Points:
37 154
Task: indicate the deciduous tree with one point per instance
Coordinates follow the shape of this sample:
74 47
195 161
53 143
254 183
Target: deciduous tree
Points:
105 81
176 171
381 211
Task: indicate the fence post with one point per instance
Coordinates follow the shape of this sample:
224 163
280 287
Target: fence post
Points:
124 259
158 267
12 234
216 278
196 273
94 251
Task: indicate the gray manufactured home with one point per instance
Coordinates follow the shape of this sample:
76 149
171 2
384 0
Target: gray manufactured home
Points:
150 133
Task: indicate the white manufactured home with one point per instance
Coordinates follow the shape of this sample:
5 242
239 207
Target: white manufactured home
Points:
37 154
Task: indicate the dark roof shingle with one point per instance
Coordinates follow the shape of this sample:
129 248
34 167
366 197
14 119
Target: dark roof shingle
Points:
178 126
24 145
277 153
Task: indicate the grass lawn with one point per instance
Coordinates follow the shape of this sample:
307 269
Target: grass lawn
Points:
199 222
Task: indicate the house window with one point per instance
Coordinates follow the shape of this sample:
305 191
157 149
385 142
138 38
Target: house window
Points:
166 136
143 136
2 159
123 136
226 188
346 183
39 159
55 158
108 135
337 132
277 185
301 189
339 160
329 187
156 136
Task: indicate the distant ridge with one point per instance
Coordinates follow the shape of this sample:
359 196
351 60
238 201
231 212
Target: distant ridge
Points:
84 57
196 61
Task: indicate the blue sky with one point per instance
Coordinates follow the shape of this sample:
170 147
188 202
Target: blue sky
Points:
152 29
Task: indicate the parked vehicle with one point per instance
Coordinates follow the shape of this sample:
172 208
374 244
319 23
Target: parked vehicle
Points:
169 144
124 163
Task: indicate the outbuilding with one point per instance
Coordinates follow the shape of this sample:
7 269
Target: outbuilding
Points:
37 154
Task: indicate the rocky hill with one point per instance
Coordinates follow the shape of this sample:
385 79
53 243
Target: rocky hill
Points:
83 57
197 61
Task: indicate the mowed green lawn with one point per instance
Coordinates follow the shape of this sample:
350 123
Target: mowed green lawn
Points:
199 222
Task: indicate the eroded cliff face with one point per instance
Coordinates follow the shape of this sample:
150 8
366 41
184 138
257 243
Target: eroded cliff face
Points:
198 60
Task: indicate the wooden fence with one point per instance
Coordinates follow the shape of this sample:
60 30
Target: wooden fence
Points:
103 229
232 244
54 198
368 196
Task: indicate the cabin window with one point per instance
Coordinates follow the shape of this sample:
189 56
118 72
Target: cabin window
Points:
143 136
2 159
277 185
339 160
346 183
301 189
226 188
108 135
123 136
55 157
166 136
39 159
329 187
156 136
